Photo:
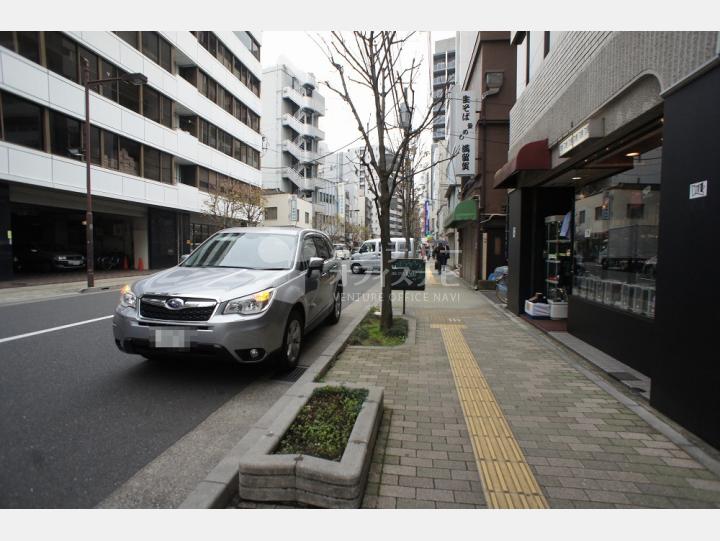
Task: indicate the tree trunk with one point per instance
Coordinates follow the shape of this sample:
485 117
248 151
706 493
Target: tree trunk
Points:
386 315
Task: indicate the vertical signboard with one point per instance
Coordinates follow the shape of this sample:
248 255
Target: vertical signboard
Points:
464 111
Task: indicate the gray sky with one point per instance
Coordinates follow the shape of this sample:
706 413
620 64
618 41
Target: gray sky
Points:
338 123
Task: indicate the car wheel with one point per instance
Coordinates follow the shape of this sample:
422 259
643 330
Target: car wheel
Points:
289 353
334 316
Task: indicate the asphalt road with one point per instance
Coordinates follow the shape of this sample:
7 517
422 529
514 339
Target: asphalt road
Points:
78 417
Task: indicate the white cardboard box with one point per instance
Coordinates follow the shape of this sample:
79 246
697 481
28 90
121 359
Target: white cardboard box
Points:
537 309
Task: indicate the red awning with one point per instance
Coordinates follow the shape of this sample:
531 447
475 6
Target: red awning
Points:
533 156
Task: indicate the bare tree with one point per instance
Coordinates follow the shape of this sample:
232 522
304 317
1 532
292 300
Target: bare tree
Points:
411 196
357 233
234 203
376 64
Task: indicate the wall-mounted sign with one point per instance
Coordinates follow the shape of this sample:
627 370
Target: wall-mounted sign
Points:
698 189
589 130
463 128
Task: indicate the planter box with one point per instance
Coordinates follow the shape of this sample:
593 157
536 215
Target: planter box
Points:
264 476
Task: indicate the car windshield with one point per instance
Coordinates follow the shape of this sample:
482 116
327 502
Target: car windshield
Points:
261 251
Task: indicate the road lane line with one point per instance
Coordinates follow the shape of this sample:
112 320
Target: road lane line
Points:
508 481
53 329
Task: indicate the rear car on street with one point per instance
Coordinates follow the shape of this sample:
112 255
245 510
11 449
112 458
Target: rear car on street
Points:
244 294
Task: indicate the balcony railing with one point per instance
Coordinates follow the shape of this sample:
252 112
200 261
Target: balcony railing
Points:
300 154
301 127
303 183
316 102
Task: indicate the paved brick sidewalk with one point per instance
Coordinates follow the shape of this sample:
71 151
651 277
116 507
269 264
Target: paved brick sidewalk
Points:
585 447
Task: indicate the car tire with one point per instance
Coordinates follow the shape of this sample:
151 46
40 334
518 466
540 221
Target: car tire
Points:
334 316
289 354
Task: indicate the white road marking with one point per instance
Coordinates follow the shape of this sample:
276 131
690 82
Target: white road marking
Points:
53 329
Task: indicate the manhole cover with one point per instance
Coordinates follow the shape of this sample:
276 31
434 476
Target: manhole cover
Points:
291 376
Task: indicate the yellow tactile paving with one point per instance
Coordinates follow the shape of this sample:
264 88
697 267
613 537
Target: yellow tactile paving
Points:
429 276
508 482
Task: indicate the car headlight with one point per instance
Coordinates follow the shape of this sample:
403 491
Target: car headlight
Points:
250 304
60 258
127 297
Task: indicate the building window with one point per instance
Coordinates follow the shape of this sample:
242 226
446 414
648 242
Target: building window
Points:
26 44
189 124
271 213
65 136
157 49
61 55
188 175
307 217
166 168
109 89
203 179
129 96
151 163
151 104
29 45
129 156
22 122
616 253
130 37
92 62
110 146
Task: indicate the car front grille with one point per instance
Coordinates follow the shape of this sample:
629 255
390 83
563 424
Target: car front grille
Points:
188 313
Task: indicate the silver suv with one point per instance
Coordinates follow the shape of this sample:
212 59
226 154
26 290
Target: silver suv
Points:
243 294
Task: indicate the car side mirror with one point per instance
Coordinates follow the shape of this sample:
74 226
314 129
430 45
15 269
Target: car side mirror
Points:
315 264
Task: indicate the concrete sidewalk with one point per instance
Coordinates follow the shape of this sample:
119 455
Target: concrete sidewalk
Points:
44 291
484 410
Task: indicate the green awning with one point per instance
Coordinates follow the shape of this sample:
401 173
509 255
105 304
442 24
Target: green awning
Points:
465 211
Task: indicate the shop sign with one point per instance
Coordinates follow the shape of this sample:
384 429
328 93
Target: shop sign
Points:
589 130
464 118
698 189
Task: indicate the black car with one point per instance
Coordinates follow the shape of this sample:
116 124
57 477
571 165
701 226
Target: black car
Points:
47 258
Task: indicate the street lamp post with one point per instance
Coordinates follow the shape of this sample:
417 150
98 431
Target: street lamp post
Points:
136 79
406 125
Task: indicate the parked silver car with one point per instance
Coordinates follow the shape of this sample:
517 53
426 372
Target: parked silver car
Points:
244 294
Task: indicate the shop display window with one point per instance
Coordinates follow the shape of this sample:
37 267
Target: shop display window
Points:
616 234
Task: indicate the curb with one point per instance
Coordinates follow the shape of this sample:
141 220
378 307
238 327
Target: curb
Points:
221 484
99 289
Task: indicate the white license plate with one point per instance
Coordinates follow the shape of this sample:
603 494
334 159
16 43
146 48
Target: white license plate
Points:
170 338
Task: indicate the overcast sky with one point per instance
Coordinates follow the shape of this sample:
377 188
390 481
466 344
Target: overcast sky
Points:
302 52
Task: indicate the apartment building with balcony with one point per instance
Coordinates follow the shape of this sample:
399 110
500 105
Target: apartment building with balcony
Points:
157 151
292 107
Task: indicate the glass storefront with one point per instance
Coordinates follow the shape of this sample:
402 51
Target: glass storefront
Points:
616 233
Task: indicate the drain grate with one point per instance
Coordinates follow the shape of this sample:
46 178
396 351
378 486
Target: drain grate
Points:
291 376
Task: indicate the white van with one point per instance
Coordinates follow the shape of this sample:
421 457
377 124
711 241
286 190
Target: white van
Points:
368 257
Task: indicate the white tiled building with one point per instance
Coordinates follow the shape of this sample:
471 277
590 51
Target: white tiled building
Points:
157 149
